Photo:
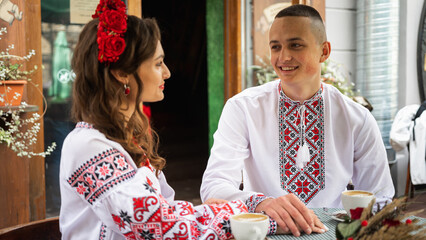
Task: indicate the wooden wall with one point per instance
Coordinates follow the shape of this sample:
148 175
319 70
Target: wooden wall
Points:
21 179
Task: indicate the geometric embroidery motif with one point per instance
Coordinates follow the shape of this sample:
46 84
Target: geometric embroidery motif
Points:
220 224
146 220
101 173
252 203
102 232
306 182
84 125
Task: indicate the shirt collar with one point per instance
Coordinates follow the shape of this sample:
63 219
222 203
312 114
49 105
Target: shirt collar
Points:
317 95
84 125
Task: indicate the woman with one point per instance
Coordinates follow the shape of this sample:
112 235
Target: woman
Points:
111 182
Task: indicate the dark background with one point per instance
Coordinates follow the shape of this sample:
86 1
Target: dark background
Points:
181 119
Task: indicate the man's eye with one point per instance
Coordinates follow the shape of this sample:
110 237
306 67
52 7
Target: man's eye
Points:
295 45
275 47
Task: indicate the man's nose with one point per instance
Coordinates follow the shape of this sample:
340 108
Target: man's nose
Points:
285 55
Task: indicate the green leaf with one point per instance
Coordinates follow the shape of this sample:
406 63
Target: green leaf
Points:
345 230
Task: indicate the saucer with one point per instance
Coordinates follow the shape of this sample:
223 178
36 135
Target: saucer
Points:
337 215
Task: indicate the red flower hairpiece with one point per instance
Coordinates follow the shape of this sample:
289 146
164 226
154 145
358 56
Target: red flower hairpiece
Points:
112 26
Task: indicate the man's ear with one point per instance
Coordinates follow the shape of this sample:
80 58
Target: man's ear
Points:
325 51
120 76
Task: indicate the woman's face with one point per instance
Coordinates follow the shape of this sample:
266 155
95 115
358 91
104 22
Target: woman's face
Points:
153 72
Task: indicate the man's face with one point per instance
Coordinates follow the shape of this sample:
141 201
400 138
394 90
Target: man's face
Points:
296 53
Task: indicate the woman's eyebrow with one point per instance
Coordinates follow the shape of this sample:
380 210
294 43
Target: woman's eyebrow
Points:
161 56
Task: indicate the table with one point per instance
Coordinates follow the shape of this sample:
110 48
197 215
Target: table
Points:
329 222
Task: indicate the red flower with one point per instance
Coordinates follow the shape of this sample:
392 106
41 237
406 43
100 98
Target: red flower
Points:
110 48
408 221
114 21
112 25
115 4
356 213
391 222
364 223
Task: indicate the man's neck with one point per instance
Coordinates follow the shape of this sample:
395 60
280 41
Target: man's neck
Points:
300 92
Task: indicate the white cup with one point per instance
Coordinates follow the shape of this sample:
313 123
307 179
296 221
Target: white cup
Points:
353 199
249 226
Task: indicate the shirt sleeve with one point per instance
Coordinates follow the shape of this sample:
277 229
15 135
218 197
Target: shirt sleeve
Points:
371 168
223 174
129 202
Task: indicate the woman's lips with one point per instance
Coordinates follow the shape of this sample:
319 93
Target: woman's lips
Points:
162 86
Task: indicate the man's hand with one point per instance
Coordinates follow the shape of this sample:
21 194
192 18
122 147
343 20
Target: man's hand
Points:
291 215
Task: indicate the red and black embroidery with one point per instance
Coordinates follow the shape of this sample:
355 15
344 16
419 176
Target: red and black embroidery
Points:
84 125
152 218
149 186
252 203
309 180
102 232
101 173
220 223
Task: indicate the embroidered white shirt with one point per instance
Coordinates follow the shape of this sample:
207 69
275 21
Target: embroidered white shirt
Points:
344 143
105 196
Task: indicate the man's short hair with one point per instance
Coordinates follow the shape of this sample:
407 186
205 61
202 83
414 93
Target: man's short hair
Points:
300 10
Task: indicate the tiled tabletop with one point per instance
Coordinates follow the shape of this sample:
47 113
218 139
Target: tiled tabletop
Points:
326 220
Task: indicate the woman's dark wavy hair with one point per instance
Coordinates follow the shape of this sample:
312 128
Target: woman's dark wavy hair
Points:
97 95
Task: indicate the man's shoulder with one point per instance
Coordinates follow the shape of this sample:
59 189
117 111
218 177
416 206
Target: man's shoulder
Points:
267 90
337 97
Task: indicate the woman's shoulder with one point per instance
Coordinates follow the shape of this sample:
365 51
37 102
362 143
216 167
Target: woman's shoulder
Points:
83 136
86 144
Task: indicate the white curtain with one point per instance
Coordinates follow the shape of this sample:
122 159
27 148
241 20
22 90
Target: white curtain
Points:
377 58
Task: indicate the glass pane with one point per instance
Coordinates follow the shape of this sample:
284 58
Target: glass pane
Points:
259 16
58 41
377 59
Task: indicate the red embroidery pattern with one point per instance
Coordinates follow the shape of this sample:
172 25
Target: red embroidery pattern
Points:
221 225
252 203
182 234
185 208
308 181
102 232
254 200
84 125
100 174
154 218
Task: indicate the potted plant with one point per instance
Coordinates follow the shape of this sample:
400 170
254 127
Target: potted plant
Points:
16 132
331 73
12 77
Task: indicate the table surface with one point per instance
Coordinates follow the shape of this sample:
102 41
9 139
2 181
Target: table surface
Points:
329 222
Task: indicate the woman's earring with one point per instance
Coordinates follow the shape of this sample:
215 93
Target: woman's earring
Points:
126 89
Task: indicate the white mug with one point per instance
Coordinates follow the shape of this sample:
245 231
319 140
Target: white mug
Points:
249 226
353 199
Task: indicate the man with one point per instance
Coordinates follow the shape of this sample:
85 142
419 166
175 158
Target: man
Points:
297 140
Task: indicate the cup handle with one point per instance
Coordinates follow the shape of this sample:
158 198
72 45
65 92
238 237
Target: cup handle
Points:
257 233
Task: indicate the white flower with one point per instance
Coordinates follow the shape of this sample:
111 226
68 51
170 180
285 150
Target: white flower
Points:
21 134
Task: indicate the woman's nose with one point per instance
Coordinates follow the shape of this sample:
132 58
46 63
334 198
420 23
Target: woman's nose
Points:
166 72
